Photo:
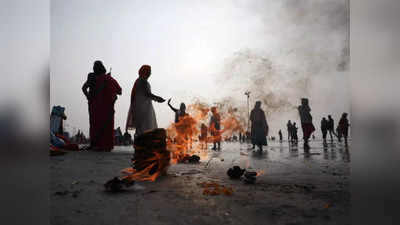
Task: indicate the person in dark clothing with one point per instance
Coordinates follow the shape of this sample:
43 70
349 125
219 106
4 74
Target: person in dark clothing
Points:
306 121
240 137
331 127
343 128
295 138
215 127
179 113
259 126
324 128
280 136
289 130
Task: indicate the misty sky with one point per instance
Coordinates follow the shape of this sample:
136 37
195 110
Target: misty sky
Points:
205 49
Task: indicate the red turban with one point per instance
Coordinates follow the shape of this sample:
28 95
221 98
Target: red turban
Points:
145 71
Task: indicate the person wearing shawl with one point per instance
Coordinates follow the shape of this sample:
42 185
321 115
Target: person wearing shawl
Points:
306 121
141 114
102 94
259 126
343 128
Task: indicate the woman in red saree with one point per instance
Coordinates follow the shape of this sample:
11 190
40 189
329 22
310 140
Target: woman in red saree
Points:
102 97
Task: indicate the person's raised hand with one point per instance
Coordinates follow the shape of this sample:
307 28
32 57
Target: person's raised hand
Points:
160 100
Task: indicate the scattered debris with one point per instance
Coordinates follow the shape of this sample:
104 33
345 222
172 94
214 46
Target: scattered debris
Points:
213 188
116 184
250 177
191 159
61 193
235 172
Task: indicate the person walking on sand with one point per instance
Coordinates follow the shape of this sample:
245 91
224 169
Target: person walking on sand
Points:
280 136
141 114
324 129
306 121
259 126
331 127
343 128
102 94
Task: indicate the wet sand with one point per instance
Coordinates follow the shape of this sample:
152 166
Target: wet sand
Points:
295 188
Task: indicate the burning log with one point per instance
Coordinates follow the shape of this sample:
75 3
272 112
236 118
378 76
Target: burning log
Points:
151 157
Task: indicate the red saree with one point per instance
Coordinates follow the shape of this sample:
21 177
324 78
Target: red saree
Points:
102 113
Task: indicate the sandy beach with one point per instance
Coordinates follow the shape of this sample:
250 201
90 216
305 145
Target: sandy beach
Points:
294 188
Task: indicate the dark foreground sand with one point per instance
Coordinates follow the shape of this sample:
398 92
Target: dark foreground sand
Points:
296 188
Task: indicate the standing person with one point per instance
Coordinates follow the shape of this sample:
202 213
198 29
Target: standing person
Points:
343 128
331 127
203 136
240 137
102 94
182 124
324 128
295 138
179 113
215 127
141 115
289 130
280 136
259 126
306 121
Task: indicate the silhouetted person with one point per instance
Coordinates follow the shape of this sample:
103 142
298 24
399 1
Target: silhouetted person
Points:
179 113
215 127
203 136
259 126
280 136
331 127
324 128
141 114
343 127
240 137
289 130
102 95
306 121
295 138
127 138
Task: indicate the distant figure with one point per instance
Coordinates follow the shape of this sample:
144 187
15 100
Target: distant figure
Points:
141 115
295 138
127 138
102 94
118 136
240 137
289 130
215 127
280 136
324 128
56 120
343 127
331 127
179 113
306 121
259 126
203 136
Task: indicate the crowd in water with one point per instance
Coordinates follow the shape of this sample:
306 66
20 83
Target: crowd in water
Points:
101 91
